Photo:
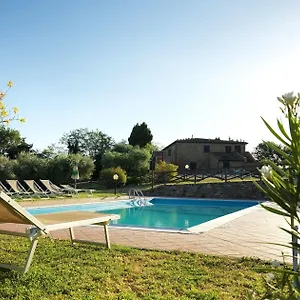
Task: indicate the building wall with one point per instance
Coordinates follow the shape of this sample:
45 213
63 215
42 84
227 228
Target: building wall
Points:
221 147
183 154
189 153
170 154
233 164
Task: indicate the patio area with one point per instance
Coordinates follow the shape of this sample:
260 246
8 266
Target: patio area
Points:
247 235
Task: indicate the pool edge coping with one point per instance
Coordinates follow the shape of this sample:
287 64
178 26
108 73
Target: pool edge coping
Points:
209 225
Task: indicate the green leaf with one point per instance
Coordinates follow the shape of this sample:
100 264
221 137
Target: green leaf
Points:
279 244
278 150
293 124
259 187
276 168
276 197
281 128
275 211
275 133
291 232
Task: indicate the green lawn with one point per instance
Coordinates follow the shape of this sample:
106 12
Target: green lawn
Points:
146 187
101 194
62 271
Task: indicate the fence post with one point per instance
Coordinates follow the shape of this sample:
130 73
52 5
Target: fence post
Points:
165 178
225 170
195 178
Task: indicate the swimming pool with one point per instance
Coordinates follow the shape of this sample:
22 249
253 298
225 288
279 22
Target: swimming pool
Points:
171 213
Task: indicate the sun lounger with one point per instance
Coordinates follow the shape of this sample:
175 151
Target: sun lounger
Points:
76 191
12 212
36 189
4 189
52 188
17 188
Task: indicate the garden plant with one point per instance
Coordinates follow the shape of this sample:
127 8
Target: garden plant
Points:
281 183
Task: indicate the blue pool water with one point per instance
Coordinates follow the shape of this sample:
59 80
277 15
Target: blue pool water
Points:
178 214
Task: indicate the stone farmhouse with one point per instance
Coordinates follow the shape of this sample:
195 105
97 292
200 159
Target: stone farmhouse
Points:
206 154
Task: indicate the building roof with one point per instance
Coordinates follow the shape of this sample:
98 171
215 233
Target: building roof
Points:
207 141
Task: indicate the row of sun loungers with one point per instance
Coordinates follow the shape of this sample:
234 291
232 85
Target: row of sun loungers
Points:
30 188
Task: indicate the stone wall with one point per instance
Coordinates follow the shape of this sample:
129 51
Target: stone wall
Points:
229 190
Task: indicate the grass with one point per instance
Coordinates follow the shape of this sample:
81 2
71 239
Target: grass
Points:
101 194
62 271
147 186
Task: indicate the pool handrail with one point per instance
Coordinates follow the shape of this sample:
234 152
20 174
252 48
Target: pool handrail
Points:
135 194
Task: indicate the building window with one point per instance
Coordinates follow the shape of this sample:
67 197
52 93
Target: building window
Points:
227 149
206 149
237 148
169 152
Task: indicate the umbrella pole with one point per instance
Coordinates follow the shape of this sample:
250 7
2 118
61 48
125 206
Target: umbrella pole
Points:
75 183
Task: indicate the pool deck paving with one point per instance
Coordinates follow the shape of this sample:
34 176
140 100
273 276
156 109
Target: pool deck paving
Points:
247 235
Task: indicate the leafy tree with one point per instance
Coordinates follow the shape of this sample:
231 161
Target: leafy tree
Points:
73 147
23 147
153 147
11 142
263 151
6 168
51 151
134 160
30 166
60 167
106 176
85 165
91 143
140 135
75 140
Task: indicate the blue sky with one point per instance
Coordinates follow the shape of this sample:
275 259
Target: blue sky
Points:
205 68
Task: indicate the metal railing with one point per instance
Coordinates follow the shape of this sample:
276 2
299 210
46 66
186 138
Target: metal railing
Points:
137 198
136 194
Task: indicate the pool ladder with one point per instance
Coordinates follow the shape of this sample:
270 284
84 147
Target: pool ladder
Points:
137 198
136 194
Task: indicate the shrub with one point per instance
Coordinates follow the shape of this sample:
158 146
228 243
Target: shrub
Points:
85 165
60 168
282 187
6 168
30 166
133 160
165 169
136 180
106 176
